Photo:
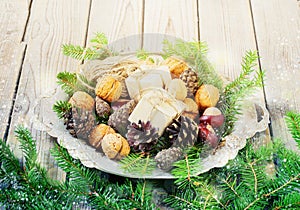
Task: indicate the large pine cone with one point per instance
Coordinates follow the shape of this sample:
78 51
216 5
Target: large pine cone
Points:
142 136
119 119
165 158
191 80
183 132
80 122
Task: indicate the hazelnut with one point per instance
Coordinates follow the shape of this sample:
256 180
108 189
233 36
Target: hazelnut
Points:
176 66
177 88
98 133
207 96
82 100
212 116
108 88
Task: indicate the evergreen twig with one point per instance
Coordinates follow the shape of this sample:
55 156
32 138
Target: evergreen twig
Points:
242 86
293 123
61 108
138 164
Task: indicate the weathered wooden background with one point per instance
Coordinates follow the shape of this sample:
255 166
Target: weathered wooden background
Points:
32 32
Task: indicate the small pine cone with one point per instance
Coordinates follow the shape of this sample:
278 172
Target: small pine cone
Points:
142 136
119 119
83 122
69 122
102 107
191 80
183 132
165 158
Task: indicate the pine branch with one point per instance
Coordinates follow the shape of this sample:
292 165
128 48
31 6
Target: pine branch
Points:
236 91
67 81
79 53
100 40
293 123
9 163
28 147
61 108
72 82
142 54
138 164
81 178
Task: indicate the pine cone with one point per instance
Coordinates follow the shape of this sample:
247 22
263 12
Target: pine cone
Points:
142 136
119 119
191 80
68 121
183 132
81 123
102 107
165 158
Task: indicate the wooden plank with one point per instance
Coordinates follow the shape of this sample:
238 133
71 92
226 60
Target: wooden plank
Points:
123 28
13 16
226 26
277 25
169 19
52 23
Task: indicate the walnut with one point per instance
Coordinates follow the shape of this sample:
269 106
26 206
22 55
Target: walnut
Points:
176 66
97 134
108 88
115 146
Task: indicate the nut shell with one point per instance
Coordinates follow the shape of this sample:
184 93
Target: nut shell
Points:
108 88
111 145
125 150
115 146
176 66
207 96
98 133
82 100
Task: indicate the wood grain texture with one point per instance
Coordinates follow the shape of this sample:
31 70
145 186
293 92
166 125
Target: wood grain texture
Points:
277 25
226 26
13 16
120 21
52 23
169 19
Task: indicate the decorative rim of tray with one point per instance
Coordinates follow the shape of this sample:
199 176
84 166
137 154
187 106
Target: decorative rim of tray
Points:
254 118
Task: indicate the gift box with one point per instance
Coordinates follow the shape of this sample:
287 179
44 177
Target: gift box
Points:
158 107
148 77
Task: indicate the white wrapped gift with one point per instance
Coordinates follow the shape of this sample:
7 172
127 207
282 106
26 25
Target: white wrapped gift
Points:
149 76
158 107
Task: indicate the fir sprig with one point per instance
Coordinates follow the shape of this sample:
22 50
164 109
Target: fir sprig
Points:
61 108
72 82
238 89
293 123
142 54
78 52
67 81
98 50
28 146
138 164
